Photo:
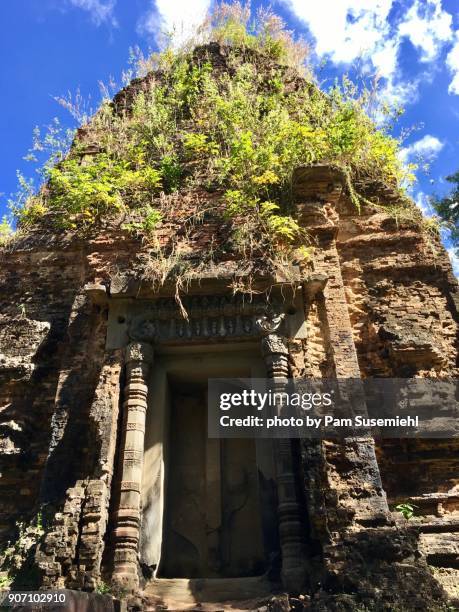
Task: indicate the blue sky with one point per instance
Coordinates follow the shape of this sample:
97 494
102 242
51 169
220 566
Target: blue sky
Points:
51 47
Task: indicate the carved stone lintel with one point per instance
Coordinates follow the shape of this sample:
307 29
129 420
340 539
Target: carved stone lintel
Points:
139 357
218 317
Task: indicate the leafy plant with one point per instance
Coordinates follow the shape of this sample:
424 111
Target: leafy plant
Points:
6 231
151 219
17 555
171 171
196 141
5 580
103 588
406 510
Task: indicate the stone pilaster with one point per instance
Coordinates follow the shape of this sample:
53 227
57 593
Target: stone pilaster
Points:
139 357
357 454
351 463
275 353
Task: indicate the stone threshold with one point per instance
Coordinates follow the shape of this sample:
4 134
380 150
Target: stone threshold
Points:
184 593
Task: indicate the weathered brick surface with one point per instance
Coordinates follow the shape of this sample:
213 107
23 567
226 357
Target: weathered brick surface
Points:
388 309
59 389
402 300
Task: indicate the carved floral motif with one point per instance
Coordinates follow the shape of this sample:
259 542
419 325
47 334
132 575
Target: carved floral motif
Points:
209 317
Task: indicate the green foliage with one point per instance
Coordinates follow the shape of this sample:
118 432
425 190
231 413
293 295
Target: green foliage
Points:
171 172
239 133
16 558
406 510
5 580
103 588
6 231
150 220
84 192
198 145
448 208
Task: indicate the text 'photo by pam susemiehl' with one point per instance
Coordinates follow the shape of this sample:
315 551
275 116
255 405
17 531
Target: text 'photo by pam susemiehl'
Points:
330 408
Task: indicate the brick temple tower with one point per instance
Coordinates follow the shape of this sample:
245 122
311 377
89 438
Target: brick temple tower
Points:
103 373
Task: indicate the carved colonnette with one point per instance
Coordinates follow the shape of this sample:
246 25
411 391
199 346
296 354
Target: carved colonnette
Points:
139 357
275 353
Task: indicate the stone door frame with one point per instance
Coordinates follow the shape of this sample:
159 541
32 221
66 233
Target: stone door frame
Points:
211 319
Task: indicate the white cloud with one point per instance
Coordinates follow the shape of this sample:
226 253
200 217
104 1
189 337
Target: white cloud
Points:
452 61
454 260
347 29
385 57
399 93
423 201
428 27
100 10
351 29
426 148
178 16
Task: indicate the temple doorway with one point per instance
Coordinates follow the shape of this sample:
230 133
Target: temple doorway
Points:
213 519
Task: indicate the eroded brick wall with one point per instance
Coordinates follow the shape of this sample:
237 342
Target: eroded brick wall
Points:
59 398
388 309
402 300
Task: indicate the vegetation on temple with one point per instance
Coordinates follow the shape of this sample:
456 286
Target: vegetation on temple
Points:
6 231
17 557
227 138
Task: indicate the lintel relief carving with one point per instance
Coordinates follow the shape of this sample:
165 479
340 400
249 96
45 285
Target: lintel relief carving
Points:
209 318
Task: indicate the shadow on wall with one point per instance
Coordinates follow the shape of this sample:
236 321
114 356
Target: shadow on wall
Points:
74 441
32 486
25 424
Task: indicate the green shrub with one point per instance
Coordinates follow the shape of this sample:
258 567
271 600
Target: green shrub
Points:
17 557
6 231
239 132
103 588
406 510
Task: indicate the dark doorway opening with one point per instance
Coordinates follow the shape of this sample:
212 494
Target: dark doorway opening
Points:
213 518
